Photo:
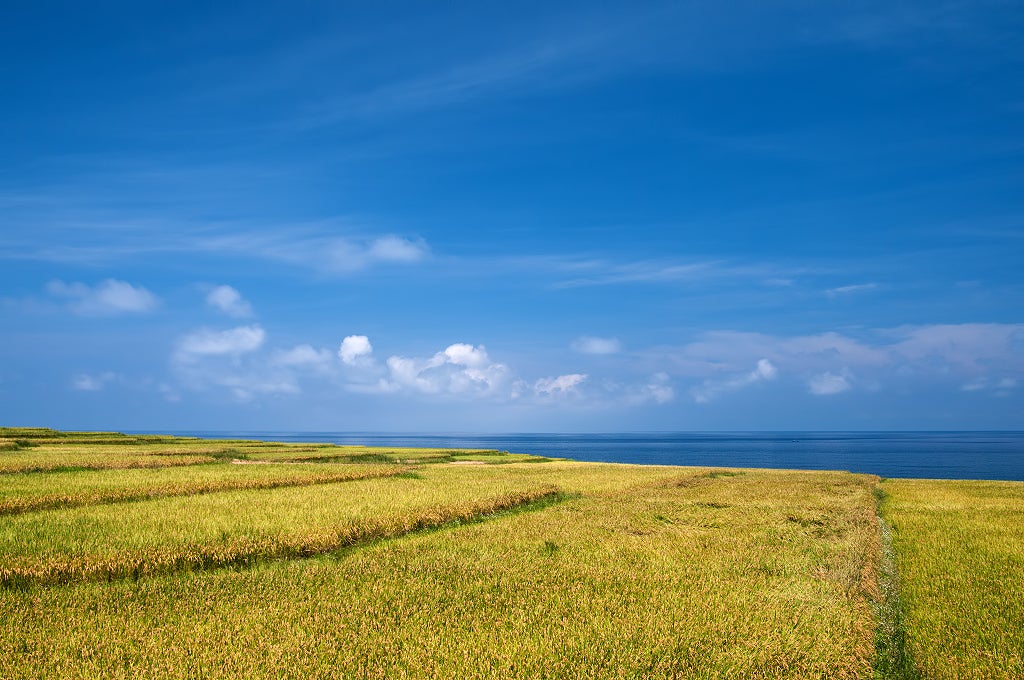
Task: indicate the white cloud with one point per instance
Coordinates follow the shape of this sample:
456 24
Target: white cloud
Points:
353 348
462 354
591 345
973 348
304 356
562 384
972 357
718 352
711 388
86 382
764 371
459 369
108 298
658 389
229 301
828 383
231 359
231 342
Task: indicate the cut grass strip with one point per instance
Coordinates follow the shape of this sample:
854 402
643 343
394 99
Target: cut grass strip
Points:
893 660
960 553
32 493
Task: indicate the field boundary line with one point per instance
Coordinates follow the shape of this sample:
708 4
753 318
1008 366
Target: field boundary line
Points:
893 659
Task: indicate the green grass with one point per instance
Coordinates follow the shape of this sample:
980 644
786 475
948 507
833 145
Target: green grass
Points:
960 554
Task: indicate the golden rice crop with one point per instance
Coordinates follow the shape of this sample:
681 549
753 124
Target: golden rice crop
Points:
107 541
71 458
27 450
26 493
383 454
664 573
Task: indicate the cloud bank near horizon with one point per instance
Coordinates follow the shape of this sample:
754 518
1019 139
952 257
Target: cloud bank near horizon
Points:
969 358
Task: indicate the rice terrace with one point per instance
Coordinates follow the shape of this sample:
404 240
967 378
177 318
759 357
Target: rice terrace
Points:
154 556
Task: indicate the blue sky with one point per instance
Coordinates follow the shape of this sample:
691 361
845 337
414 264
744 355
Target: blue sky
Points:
512 216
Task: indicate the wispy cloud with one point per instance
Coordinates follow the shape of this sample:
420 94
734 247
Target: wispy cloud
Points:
229 301
328 247
972 357
713 387
304 357
651 271
853 288
108 298
657 389
591 345
557 56
245 386
336 255
231 342
89 382
970 348
232 360
828 383
559 385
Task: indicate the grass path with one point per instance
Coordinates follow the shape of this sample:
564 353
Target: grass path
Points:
959 548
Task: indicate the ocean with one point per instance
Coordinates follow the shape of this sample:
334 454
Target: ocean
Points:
932 455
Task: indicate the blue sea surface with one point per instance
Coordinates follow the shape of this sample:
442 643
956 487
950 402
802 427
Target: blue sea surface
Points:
931 455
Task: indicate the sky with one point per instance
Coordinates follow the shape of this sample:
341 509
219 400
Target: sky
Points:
512 217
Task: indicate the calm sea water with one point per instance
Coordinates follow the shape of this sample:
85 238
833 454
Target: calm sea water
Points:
936 455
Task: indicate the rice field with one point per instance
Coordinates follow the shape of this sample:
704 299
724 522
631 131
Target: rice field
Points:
43 450
48 490
315 560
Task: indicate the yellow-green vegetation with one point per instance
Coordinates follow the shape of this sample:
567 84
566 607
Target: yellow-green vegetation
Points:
41 449
314 560
46 490
369 454
959 549
233 527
